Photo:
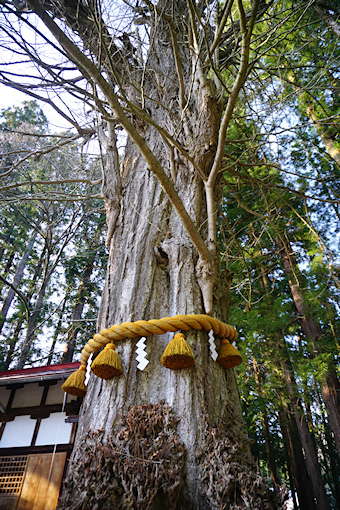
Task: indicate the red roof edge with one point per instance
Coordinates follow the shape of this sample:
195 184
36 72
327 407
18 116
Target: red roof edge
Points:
46 369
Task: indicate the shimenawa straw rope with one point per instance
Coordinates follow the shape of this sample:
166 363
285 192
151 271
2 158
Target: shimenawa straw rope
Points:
118 332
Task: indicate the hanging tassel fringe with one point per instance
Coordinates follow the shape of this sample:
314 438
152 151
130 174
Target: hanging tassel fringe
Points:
228 356
178 354
107 364
75 383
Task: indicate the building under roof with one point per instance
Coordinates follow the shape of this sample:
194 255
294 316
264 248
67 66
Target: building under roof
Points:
38 426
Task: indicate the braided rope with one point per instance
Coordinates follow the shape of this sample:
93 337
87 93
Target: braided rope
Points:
156 327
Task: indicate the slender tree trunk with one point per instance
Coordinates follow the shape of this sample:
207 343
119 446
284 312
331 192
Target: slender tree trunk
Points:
322 129
334 463
269 447
2 251
33 317
334 458
291 481
77 312
330 19
307 440
7 267
327 463
111 159
14 337
331 314
328 137
13 342
57 331
295 459
49 268
16 280
295 505
330 387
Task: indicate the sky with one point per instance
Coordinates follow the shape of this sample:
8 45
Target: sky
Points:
23 70
10 97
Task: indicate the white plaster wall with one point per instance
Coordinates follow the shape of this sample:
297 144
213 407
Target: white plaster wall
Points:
18 432
28 396
55 394
54 430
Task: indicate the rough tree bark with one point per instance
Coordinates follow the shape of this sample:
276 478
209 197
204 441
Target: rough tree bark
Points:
160 438
151 274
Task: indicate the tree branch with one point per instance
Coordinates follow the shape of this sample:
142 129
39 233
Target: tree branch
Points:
63 181
89 67
19 294
240 79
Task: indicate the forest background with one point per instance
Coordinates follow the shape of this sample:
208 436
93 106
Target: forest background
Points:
278 233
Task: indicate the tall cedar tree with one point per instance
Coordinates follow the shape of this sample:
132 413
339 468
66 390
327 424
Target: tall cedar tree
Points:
162 203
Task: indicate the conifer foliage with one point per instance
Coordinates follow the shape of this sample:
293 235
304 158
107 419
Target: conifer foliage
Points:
52 246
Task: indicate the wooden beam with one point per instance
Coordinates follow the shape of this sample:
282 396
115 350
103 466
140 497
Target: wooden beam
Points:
41 411
17 451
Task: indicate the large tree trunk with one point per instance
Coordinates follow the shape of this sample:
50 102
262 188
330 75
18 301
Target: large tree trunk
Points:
160 438
151 274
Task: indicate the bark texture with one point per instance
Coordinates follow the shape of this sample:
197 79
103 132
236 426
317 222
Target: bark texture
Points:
161 264
151 274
